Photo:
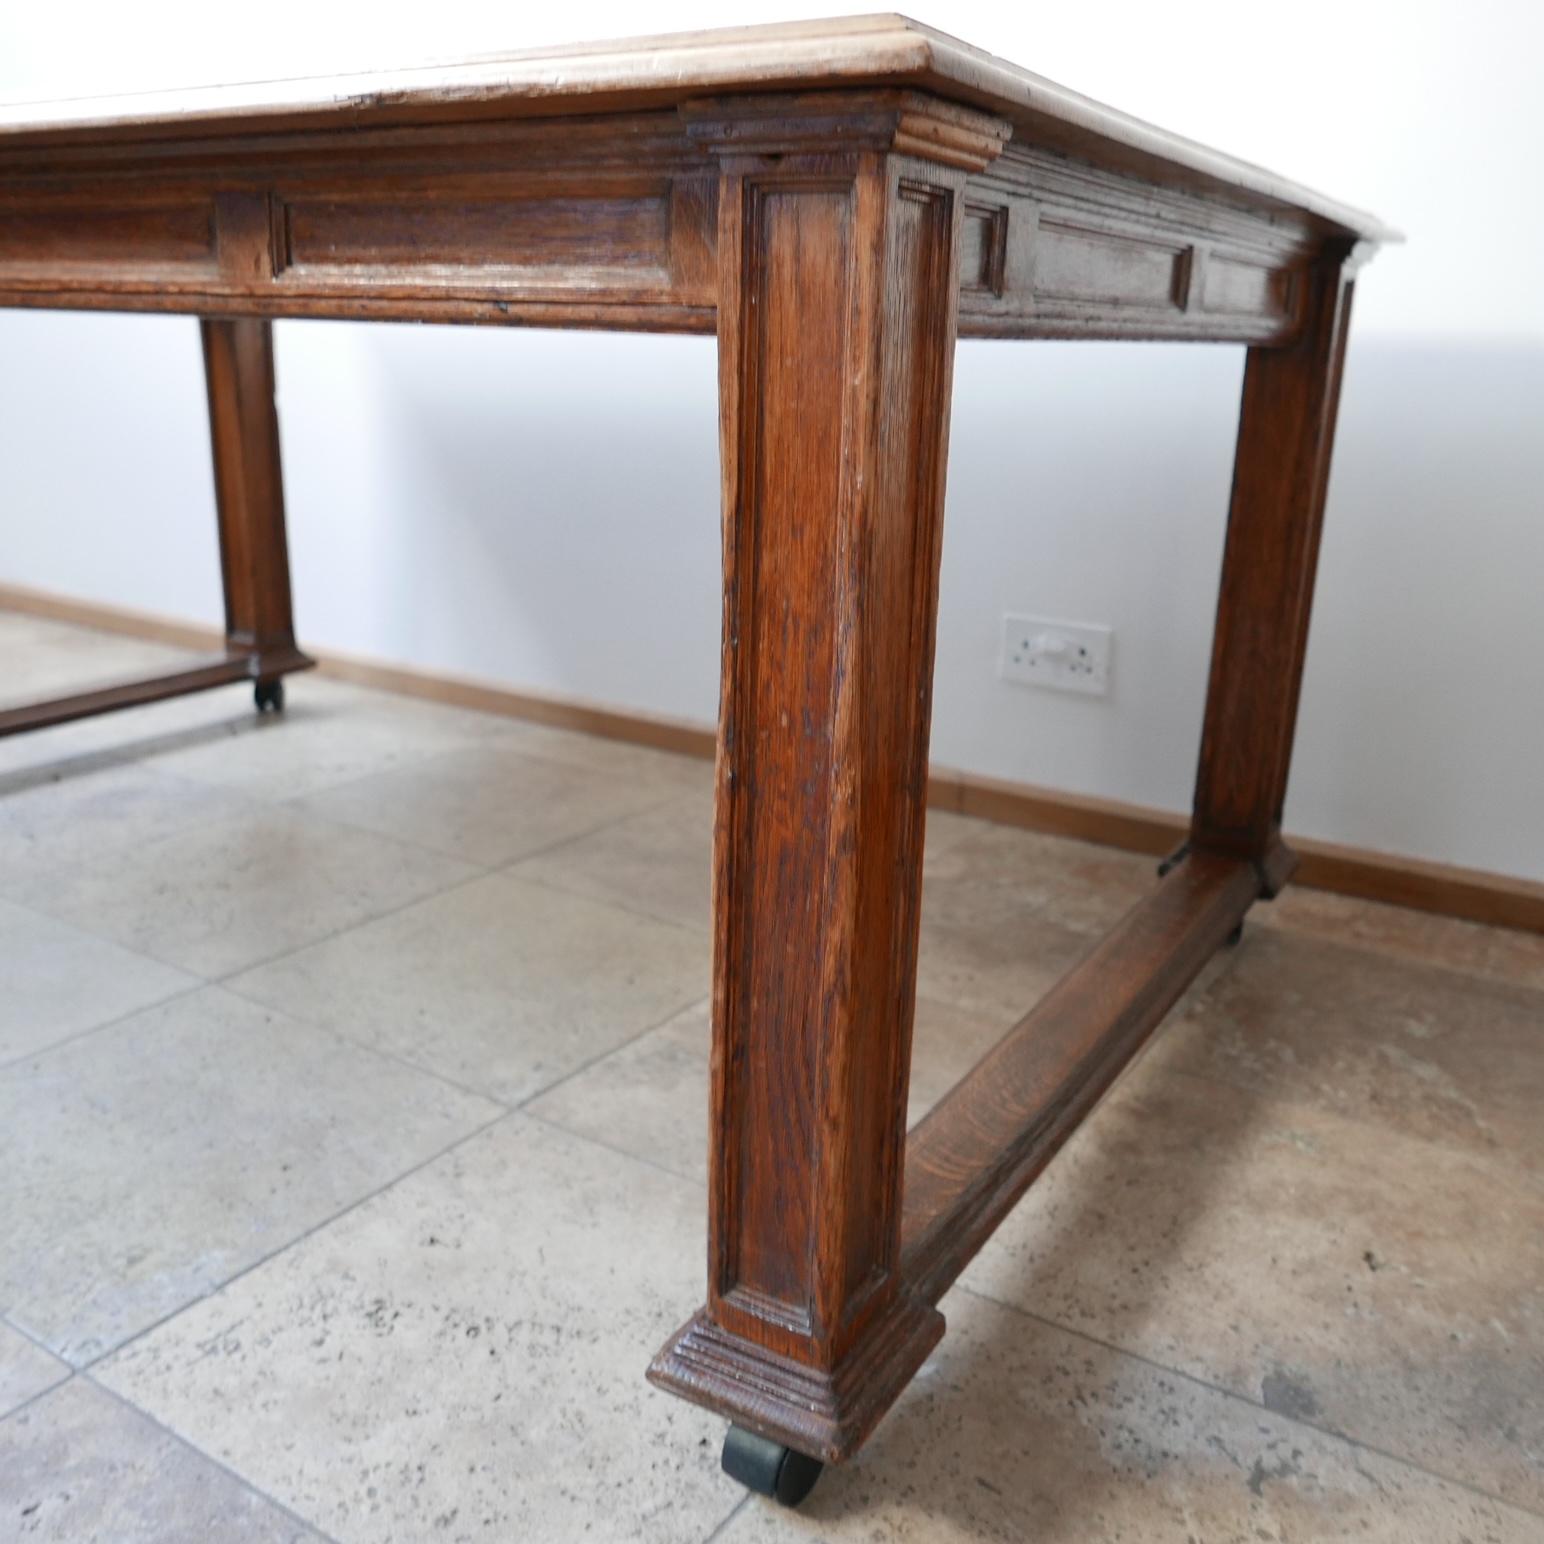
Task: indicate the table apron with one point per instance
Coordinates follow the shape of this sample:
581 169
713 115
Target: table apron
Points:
609 222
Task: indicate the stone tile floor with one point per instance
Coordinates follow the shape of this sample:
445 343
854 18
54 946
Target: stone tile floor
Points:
352 1081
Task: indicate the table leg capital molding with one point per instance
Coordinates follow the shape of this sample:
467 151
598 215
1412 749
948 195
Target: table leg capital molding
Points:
909 122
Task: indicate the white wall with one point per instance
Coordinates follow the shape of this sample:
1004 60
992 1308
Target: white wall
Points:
540 508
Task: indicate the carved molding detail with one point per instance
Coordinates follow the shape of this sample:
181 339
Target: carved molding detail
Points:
906 122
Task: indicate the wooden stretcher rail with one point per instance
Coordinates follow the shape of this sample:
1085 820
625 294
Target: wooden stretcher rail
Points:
226 670
972 1157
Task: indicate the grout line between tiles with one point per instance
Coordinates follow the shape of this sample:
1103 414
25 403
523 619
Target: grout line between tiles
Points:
299 1238
338 932
561 842
294 804
615 1152
219 980
724 1522
601 1056
507 1106
37 1340
32 1399
696 930
198 985
394 1057
380 916
1227 1393
209 1458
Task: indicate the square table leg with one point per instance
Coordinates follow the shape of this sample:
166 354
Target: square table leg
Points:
1281 473
254 558
249 495
838 301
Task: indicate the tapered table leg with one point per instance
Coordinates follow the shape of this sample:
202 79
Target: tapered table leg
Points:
838 293
1281 472
249 494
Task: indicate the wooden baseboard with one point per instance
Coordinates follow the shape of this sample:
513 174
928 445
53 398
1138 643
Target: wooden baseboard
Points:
1474 895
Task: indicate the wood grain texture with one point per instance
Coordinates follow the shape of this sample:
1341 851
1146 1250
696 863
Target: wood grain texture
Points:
248 485
838 200
976 1152
1081 251
1280 479
563 188
606 222
837 317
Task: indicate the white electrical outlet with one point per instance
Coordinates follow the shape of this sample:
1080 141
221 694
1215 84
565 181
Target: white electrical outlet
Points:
1062 655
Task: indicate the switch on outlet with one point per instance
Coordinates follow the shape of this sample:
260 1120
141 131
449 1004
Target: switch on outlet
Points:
1062 655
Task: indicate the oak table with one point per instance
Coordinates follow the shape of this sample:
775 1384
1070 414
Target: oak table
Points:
837 201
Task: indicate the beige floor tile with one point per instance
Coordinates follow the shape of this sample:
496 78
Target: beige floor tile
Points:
502 985
329 733
660 861
52 818
657 862
1005 913
226 895
945 829
46 659
463 1356
997 971
81 1467
650 1098
1384 1287
484 805
151 1161
60 981
26 1370
1428 1052
1015 1431
663 771
995 873
1504 954
947 1041
135 736
1323 1190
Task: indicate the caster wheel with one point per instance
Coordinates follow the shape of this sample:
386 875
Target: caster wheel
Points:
1236 937
269 696
769 1468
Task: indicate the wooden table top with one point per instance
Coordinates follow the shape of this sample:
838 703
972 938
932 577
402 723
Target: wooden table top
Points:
659 72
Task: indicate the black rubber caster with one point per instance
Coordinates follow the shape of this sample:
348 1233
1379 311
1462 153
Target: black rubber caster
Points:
1236 937
269 696
769 1468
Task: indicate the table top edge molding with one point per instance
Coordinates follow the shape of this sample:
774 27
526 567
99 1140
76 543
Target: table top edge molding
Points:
643 74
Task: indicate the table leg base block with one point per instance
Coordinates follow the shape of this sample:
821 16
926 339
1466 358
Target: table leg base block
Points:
1276 868
826 1414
